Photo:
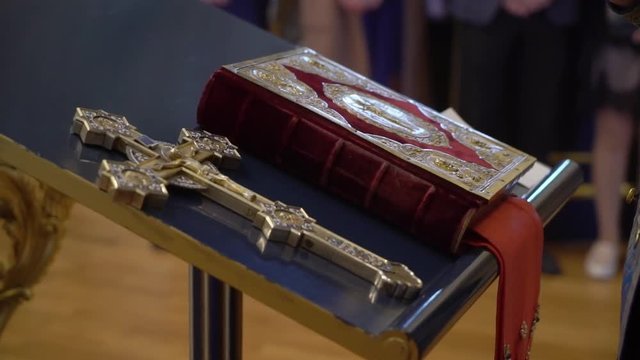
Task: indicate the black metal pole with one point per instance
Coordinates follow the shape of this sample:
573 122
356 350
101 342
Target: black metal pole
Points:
215 318
196 313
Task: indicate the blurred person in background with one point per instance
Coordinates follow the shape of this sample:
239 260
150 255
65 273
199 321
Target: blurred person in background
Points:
617 81
253 11
439 52
513 56
334 29
383 26
628 348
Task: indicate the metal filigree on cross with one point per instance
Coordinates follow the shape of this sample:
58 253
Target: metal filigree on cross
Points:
193 163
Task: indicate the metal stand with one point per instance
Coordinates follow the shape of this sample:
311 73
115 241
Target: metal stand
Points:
215 318
216 308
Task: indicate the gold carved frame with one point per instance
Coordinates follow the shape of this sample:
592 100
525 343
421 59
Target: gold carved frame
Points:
32 224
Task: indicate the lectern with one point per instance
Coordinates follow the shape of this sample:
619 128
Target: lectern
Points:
150 60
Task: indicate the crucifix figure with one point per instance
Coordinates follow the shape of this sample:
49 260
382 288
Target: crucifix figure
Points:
193 163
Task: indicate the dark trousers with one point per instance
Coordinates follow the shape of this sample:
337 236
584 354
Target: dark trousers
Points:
439 38
252 11
512 80
383 29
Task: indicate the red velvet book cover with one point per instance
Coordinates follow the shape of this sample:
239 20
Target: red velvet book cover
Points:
383 151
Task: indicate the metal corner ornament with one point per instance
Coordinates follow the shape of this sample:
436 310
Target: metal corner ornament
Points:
193 163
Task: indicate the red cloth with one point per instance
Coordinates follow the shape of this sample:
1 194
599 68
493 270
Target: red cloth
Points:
513 233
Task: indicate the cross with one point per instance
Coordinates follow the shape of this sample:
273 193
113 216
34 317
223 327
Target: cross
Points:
193 163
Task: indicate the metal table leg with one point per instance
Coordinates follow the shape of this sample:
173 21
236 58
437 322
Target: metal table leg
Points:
215 318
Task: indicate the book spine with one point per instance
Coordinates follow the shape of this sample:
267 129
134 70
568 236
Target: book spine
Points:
304 143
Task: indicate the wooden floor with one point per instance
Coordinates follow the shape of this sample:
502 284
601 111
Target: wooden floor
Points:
110 295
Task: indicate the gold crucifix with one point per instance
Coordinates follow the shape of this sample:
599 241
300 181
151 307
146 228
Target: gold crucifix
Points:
193 164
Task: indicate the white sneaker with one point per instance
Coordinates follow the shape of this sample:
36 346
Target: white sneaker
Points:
602 260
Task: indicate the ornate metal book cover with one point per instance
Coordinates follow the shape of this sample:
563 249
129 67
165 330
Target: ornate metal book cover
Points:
375 147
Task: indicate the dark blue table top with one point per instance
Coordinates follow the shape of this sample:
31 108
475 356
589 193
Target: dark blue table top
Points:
149 60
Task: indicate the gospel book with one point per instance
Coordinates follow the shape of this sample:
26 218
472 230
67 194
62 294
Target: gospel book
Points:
391 155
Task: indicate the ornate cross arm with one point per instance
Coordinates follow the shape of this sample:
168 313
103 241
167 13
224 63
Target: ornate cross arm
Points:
192 164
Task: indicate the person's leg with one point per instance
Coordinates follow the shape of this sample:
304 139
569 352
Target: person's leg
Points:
383 28
484 53
618 72
541 86
439 39
253 11
614 133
